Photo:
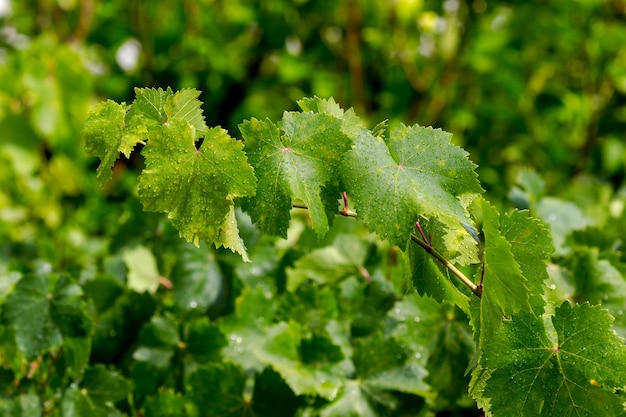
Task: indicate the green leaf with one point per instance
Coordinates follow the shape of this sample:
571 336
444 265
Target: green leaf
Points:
415 172
296 160
150 103
104 386
217 390
563 217
196 187
247 328
504 287
573 372
98 391
143 274
43 309
281 350
184 104
196 278
165 404
158 342
351 124
345 257
531 246
109 130
599 282
353 402
204 341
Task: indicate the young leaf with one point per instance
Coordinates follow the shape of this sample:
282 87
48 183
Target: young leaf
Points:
196 187
576 374
184 104
109 130
297 160
415 172
150 103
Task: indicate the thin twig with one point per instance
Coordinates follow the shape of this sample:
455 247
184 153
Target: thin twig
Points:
346 212
460 275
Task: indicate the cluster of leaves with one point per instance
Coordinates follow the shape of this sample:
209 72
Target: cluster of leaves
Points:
325 318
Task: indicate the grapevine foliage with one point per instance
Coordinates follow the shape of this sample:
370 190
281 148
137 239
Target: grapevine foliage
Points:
528 351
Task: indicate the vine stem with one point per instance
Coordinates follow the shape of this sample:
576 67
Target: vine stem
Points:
427 245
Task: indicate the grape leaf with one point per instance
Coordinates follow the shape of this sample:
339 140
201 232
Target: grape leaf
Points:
598 281
109 130
163 106
99 389
150 103
504 287
575 374
415 172
217 390
143 274
43 309
196 187
247 328
165 404
353 402
563 217
327 265
296 160
184 104
158 341
351 124
531 247
197 278
281 350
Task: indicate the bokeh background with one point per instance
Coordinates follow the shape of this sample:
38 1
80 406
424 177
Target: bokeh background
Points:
520 84
534 90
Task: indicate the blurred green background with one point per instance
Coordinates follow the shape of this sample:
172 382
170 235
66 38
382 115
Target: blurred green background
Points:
523 85
537 84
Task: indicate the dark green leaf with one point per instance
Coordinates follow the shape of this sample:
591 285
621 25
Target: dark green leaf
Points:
572 372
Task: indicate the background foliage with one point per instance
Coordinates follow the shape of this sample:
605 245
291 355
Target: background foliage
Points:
89 326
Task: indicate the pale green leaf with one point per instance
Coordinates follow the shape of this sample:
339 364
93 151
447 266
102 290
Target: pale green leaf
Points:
150 103
195 187
184 104
330 264
143 274
563 217
281 350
